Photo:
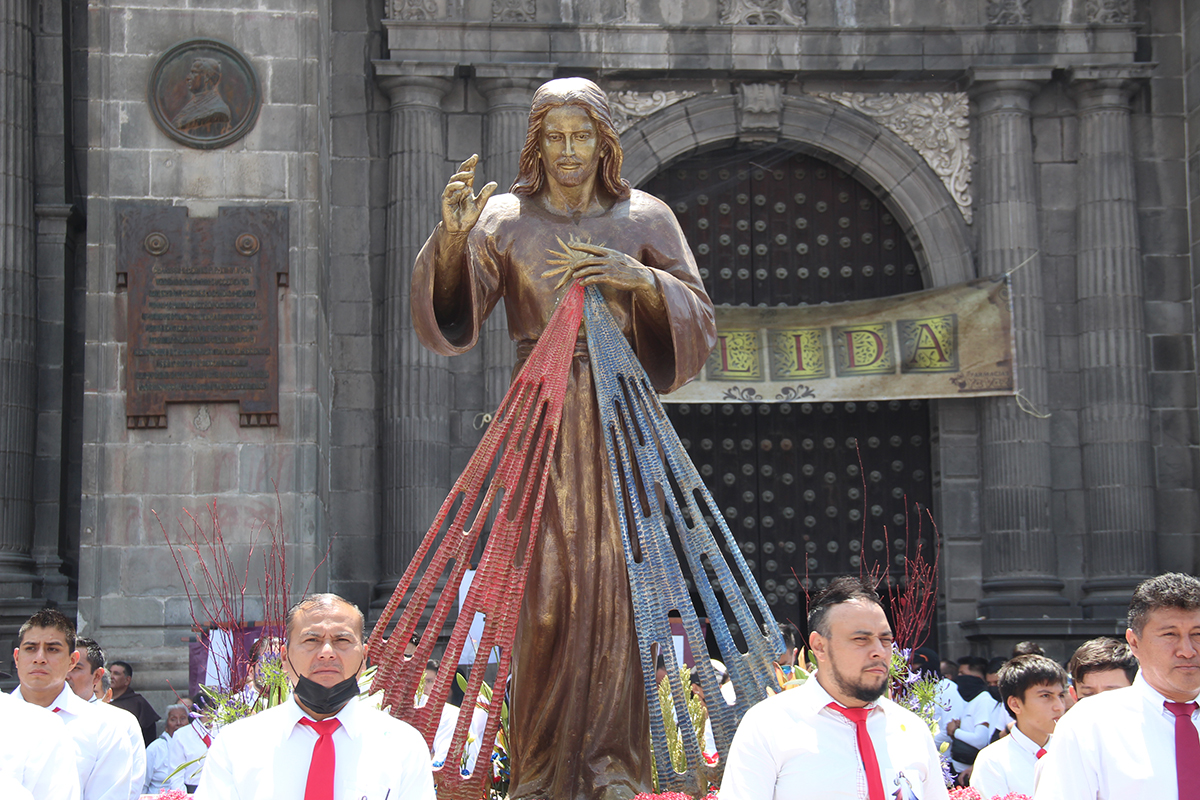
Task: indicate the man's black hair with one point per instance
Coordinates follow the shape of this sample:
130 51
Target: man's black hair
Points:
791 636
1027 649
1023 672
994 665
1101 654
840 590
124 665
1171 590
95 654
975 664
50 618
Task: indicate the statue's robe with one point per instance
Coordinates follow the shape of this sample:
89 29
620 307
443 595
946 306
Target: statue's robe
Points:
579 723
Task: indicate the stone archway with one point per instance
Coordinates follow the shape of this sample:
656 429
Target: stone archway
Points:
912 192
850 140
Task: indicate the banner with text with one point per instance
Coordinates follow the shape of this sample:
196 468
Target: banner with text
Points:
955 341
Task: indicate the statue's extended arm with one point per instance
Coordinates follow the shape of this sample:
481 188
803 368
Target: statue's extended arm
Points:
460 211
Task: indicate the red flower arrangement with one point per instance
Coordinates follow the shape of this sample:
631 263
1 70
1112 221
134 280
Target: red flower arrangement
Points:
967 793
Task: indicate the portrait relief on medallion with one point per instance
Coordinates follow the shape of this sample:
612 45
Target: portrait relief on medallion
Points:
204 94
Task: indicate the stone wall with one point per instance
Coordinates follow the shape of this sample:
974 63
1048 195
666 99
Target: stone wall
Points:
136 482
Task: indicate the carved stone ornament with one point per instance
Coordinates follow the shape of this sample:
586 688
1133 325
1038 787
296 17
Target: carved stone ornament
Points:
1110 11
629 107
1008 12
935 124
514 10
763 12
761 104
415 9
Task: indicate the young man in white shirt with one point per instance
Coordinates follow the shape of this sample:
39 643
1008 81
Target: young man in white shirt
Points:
1034 690
1142 741
1101 665
322 743
34 745
106 763
836 735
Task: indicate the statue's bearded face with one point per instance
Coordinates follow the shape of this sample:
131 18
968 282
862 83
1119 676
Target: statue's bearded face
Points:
570 146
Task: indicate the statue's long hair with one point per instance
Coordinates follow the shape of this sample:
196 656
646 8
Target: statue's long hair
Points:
580 92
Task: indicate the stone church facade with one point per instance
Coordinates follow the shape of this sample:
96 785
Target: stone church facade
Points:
1049 139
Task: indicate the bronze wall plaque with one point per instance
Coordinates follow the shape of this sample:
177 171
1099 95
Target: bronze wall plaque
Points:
203 309
204 94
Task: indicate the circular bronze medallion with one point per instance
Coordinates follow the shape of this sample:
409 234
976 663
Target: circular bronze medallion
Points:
204 94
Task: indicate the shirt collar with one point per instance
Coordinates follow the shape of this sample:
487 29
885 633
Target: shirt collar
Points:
1024 742
350 716
815 698
1150 694
67 700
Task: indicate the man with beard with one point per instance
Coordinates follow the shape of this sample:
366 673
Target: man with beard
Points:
580 728
837 733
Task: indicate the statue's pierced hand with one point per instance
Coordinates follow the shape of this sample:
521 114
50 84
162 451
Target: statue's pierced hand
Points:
460 206
593 264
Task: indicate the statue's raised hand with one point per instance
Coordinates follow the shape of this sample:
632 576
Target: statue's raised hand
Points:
460 206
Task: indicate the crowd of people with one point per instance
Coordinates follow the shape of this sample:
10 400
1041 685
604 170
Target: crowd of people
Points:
1119 720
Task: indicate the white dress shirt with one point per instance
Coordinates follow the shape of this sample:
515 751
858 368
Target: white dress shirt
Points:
791 746
1117 745
268 755
1007 766
187 747
111 765
34 745
158 765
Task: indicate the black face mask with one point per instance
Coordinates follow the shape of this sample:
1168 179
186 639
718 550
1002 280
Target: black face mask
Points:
323 700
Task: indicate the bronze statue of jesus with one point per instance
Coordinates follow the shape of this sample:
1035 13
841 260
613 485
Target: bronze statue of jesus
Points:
579 724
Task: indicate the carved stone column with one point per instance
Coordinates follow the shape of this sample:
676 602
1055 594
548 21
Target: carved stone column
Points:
1114 421
1019 557
509 90
18 300
416 412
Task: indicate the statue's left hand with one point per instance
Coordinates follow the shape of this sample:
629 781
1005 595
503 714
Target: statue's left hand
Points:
592 264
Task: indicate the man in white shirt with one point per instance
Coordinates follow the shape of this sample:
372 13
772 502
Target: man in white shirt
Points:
322 743
1101 665
1034 690
45 653
34 745
836 737
82 679
158 764
1142 741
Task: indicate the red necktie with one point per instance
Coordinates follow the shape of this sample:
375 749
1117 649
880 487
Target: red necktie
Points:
865 749
320 769
1187 751
1041 752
